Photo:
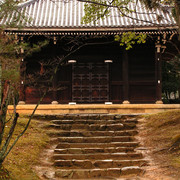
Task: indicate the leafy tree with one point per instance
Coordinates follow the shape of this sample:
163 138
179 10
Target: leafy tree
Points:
96 9
171 78
11 53
130 38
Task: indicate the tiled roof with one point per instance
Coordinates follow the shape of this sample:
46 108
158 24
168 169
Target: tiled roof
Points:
60 15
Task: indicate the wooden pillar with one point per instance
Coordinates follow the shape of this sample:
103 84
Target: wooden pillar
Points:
22 77
54 92
54 83
22 86
158 72
109 66
125 78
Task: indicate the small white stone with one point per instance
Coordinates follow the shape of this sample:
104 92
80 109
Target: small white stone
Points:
72 103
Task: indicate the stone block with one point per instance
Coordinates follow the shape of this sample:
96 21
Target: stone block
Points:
115 127
75 151
63 163
103 163
64 173
131 170
80 174
98 173
107 117
113 172
129 125
63 145
118 116
60 151
84 164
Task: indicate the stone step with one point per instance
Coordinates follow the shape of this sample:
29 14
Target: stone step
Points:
93 133
96 139
85 116
98 156
93 150
97 145
89 116
92 146
106 163
97 173
94 127
77 121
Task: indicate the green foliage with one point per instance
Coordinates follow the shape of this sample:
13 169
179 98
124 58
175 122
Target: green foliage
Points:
97 9
7 7
167 2
4 174
94 12
9 47
171 77
33 48
151 3
12 51
128 39
9 60
100 8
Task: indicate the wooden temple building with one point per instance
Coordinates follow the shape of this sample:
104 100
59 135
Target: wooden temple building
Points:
99 70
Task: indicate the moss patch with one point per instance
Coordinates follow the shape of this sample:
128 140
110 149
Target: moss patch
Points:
26 152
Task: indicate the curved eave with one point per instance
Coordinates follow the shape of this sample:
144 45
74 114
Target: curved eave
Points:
109 30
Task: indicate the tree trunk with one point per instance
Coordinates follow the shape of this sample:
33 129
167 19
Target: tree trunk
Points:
3 109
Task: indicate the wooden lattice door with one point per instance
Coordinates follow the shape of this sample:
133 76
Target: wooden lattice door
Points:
90 83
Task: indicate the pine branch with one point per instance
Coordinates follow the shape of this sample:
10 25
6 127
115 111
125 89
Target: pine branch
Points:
5 146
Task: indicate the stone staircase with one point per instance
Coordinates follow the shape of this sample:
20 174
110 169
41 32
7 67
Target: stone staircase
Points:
95 146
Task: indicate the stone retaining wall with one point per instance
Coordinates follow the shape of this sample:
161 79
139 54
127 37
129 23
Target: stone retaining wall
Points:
95 108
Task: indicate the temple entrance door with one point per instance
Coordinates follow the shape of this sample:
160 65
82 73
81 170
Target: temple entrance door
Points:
90 83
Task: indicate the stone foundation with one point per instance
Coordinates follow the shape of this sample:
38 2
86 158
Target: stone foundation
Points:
95 108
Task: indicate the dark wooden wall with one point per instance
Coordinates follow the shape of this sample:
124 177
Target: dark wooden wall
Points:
142 86
116 80
131 75
64 77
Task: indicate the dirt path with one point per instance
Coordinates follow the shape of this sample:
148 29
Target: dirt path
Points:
158 168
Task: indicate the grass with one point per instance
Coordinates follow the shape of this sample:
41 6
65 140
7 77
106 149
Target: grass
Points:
26 152
163 135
